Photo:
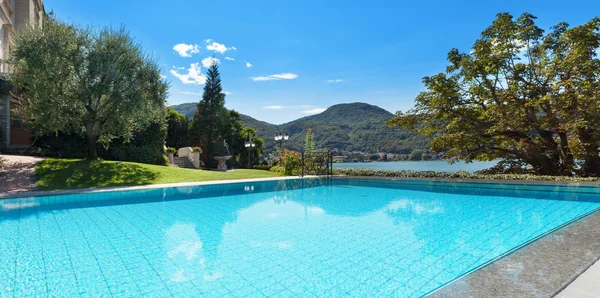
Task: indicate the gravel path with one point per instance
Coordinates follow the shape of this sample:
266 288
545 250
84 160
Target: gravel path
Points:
18 174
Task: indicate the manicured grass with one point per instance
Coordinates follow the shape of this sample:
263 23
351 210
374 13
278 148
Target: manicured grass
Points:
56 173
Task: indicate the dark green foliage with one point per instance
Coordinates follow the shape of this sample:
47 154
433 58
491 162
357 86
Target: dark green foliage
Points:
145 147
528 97
177 129
248 133
212 123
459 175
416 155
347 127
97 83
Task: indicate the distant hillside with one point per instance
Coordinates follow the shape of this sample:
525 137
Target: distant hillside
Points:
348 127
187 109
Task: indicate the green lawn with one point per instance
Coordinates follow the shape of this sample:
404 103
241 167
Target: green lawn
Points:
54 173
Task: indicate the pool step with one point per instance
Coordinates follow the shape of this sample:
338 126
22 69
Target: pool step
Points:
183 162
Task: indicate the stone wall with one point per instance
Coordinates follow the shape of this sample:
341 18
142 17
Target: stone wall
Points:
3 120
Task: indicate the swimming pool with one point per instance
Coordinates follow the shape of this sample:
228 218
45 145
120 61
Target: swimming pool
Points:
304 237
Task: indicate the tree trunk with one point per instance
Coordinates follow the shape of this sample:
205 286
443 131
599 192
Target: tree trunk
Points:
92 152
591 157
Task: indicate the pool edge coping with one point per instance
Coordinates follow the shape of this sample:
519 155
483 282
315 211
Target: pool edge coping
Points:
59 192
507 181
39 193
507 254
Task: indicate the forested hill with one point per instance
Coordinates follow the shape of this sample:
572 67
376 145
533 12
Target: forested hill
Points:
347 127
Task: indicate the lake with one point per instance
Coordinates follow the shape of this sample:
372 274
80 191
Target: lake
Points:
428 165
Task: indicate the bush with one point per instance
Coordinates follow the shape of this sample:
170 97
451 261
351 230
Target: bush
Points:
141 154
276 169
171 150
197 149
460 175
262 167
146 146
2 163
292 163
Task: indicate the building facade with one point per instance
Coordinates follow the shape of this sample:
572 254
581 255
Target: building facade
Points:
14 14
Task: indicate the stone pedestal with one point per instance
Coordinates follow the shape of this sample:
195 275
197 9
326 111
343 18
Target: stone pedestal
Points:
171 157
196 159
222 167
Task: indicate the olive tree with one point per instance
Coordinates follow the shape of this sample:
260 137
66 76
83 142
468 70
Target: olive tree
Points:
96 82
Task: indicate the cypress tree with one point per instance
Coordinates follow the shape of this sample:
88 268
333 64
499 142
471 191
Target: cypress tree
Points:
211 119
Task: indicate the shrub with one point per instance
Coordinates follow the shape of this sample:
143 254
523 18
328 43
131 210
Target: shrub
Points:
292 162
2 162
147 146
460 175
276 169
197 149
262 167
171 150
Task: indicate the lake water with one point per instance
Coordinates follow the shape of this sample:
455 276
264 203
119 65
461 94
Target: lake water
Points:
429 165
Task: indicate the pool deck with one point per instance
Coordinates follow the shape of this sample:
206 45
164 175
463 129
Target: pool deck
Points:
586 285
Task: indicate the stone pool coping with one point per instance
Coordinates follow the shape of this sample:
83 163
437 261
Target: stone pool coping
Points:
505 181
542 268
141 187
36 193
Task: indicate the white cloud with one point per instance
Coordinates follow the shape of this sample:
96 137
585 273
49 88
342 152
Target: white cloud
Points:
276 77
217 47
190 93
335 81
186 50
193 76
313 111
208 61
289 107
273 107
229 58
225 92
162 76
248 64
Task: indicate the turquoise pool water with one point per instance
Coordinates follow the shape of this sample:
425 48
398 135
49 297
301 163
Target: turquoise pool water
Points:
290 238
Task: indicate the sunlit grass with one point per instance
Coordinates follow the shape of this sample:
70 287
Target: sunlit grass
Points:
56 173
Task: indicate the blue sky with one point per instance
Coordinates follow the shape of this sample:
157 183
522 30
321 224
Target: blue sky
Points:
307 55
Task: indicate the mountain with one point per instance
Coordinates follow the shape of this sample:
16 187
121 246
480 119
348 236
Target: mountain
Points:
347 127
187 109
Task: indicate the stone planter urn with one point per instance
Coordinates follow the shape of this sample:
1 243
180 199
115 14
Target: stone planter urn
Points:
222 167
222 156
170 155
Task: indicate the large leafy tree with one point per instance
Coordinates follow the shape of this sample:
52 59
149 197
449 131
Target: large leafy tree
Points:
527 97
79 80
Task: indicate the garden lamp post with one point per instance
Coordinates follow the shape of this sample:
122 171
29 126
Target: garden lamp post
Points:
280 137
249 146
